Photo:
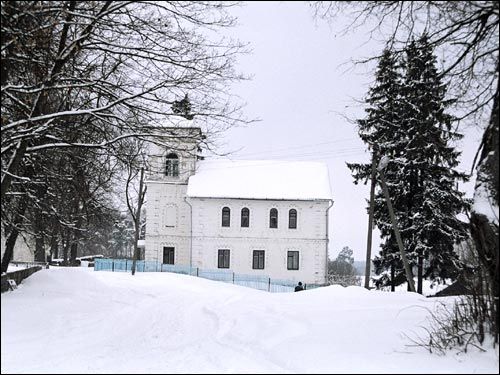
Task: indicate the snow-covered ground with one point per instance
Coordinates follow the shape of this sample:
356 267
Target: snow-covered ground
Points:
76 320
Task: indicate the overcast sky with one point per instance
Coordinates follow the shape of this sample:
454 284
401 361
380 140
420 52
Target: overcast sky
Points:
302 89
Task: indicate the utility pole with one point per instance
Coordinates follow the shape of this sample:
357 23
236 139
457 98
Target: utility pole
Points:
370 220
409 275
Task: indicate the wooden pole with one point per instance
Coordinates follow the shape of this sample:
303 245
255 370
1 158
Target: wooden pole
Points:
370 222
409 275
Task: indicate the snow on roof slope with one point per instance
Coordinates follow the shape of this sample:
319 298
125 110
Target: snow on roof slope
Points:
260 179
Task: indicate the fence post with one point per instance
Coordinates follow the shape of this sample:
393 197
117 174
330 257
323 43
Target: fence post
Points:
233 277
197 271
269 285
113 265
126 262
305 286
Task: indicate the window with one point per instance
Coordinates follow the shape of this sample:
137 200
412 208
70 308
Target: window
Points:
172 165
258 260
293 260
292 219
245 217
223 260
226 217
273 218
170 216
168 255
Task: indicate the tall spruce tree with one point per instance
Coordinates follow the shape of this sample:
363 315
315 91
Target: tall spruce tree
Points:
379 130
415 132
432 197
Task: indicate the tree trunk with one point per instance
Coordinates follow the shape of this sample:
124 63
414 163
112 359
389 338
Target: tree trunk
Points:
73 251
66 246
39 248
420 271
409 274
137 222
76 238
13 167
14 232
484 227
393 282
54 247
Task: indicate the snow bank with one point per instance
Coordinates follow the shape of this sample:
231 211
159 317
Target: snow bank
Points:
76 320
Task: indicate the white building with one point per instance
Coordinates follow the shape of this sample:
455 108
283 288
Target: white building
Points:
262 217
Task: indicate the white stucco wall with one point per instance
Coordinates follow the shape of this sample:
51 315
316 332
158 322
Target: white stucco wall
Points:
310 237
168 216
193 226
168 222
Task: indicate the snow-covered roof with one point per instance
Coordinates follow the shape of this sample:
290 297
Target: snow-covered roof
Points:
260 179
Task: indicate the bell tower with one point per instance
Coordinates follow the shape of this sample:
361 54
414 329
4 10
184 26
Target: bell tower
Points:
168 216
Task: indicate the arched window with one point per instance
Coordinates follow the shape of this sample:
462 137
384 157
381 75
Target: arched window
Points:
273 218
226 217
292 219
245 217
172 165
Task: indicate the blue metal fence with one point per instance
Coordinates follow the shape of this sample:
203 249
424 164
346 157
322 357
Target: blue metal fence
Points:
251 281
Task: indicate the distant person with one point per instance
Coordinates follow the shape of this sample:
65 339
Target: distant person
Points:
299 287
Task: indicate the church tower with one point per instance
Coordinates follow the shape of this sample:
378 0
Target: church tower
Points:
168 215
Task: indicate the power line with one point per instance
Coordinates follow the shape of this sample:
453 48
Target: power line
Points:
305 154
298 147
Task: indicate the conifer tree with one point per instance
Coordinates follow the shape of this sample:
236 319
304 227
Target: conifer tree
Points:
380 131
432 199
415 132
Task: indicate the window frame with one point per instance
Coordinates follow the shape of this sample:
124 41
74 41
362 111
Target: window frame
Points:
226 217
245 214
225 256
292 213
257 257
172 165
271 217
291 255
170 254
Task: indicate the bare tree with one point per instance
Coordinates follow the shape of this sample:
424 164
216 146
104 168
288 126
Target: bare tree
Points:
101 62
88 75
134 161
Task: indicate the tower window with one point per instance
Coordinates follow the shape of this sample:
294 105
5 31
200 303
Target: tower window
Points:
273 218
172 165
226 217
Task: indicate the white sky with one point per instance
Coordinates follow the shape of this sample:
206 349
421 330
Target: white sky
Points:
302 88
